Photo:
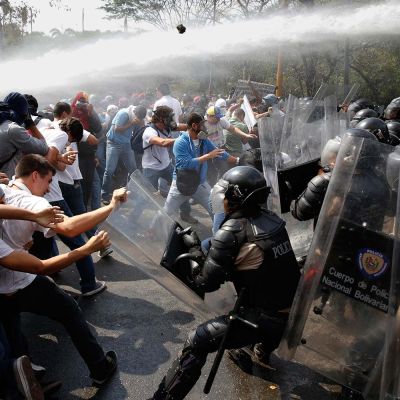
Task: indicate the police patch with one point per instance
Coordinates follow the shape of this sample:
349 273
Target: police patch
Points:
372 263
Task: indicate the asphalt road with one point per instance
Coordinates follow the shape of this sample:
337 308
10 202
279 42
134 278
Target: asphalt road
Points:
147 327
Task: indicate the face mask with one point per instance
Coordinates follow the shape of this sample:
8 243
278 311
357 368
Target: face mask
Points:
202 135
170 123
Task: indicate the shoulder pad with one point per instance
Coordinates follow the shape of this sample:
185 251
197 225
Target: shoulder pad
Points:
266 225
230 234
320 182
234 225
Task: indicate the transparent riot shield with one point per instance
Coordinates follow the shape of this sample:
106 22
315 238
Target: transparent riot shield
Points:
389 369
331 126
150 239
344 116
338 319
301 138
277 168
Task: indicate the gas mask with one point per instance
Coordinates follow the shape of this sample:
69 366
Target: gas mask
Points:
170 123
203 132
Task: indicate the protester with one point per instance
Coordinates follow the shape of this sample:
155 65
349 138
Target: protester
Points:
118 149
190 174
14 138
87 115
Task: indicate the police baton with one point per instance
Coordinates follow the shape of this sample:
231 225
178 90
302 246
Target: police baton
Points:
233 315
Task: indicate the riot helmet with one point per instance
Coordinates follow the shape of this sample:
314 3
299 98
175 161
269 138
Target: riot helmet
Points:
394 127
377 127
245 186
394 132
361 133
270 100
393 169
392 111
358 105
367 157
396 100
363 114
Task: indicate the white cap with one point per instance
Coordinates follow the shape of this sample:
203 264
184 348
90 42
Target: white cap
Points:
221 103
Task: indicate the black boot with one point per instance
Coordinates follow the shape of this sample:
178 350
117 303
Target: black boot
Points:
181 377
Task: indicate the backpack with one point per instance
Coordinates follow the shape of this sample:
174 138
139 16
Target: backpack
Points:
137 139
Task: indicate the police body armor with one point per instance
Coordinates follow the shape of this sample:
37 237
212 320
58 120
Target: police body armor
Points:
270 286
309 203
279 268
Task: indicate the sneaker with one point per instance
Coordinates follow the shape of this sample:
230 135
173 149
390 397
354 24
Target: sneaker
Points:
105 370
189 219
38 370
99 287
27 384
105 202
105 252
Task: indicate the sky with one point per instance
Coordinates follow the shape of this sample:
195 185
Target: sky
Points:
51 17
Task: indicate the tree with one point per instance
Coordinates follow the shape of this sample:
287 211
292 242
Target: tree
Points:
165 14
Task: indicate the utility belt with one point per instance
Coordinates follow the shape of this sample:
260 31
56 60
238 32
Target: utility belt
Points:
255 314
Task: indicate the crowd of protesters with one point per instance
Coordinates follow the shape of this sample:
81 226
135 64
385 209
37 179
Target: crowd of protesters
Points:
60 170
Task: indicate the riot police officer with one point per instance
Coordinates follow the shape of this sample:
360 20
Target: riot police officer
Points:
252 249
308 204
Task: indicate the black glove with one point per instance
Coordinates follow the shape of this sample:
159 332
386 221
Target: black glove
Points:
191 240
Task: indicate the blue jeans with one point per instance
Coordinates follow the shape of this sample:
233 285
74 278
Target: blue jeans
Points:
114 153
73 195
175 198
96 192
85 265
154 175
101 156
217 221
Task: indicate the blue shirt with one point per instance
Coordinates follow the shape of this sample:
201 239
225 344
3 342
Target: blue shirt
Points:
186 154
121 119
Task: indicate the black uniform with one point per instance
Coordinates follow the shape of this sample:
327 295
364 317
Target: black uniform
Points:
309 203
253 251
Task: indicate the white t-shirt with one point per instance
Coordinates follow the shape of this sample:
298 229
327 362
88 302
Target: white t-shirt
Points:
43 123
154 157
55 138
216 131
11 281
17 233
171 102
73 170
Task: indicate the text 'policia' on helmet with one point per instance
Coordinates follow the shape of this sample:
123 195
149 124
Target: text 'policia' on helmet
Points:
377 127
245 186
